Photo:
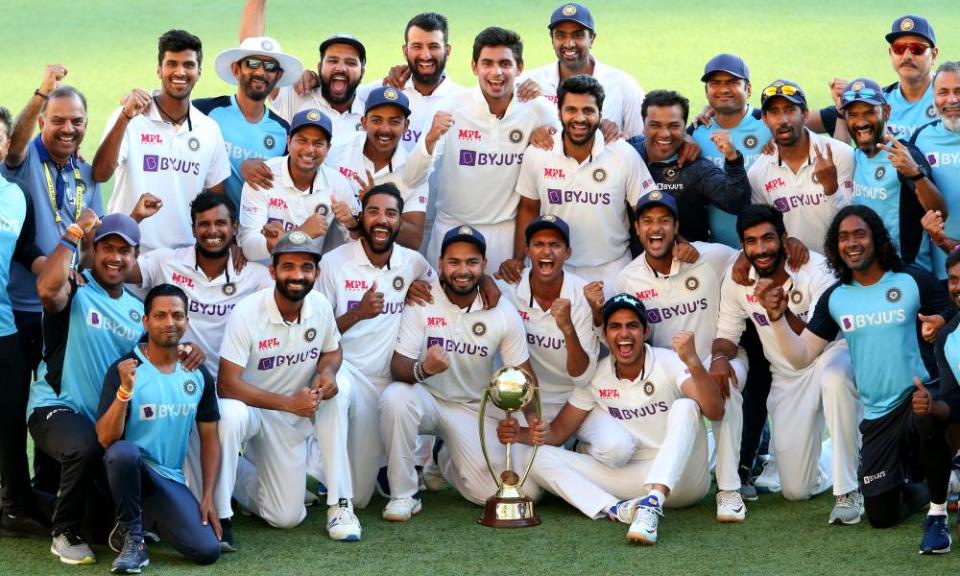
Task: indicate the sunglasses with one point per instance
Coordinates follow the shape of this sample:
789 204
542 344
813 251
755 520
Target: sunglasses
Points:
862 93
784 90
256 63
915 48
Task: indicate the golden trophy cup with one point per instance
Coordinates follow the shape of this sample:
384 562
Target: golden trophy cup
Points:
511 389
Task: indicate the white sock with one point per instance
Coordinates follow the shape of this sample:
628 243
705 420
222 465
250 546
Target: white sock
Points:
937 509
660 496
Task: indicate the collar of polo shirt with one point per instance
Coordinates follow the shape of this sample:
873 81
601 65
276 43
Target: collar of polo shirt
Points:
360 255
272 312
525 291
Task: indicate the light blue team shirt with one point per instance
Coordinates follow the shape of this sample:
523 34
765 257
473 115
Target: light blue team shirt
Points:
748 137
99 329
265 139
13 212
907 117
941 148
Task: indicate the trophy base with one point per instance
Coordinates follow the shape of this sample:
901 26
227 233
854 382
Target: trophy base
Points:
509 512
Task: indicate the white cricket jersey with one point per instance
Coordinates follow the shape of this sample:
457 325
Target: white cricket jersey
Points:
288 103
345 275
348 157
478 159
209 301
471 336
738 303
642 405
545 341
686 299
276 356
807 211
623 96
174 163
287 204
591 196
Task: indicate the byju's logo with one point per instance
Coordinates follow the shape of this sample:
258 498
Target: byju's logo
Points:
554 196
468 158
267 363
151 163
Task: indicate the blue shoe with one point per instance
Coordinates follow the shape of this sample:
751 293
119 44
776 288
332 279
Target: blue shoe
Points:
132 558
936 536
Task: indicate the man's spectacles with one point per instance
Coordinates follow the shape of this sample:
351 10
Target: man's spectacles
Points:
255 64
862 93
782 90
915 48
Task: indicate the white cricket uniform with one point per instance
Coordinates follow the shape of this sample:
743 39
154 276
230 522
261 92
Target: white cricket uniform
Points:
347 157
174 163
287 204
345 275
288 103
623 96
807 211
800 400
592 196
667 430
478 161
448 404
689 299
280 358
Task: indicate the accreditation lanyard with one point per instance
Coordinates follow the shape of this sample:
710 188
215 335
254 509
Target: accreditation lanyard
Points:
52 193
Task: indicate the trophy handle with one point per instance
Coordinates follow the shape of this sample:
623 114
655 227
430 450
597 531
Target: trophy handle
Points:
533 453
483 438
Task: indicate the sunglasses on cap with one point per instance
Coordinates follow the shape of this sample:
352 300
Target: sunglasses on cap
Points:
255 64
862 93
783 90
915 48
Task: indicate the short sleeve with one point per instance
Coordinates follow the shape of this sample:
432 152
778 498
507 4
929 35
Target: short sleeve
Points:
527 181
219 168
733 317
821 323
328 328
151 267
582 398
207 409
254 213
237 338
513 345
412 333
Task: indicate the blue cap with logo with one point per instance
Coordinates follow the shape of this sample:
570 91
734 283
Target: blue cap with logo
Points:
571 12
464 234
297 242
910 25
118 225
862 90
784 89
311 117
548 222
624 302
387 96
657 198
733 65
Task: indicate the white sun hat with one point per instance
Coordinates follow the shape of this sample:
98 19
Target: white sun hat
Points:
259 46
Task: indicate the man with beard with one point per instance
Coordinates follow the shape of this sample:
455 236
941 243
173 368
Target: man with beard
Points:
305 194
161 144
887 313
443 357
801 179
572 33
938 143
680 296
144 453
250 129
696 185
799 399
581 179
280 383
476 143
897 185
660 397
375 156
366 282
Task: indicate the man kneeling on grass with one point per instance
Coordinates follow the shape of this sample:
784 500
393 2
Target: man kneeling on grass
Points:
659 396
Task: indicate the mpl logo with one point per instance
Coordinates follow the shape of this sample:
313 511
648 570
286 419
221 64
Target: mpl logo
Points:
647 294
354 285
436 321
554 173
182 280
609 393
348 173
268 343
469 135
277 203
151 139
773 185
524 315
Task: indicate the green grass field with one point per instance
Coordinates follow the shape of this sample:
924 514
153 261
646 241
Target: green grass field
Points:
109 46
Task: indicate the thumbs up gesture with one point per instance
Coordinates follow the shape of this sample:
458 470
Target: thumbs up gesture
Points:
930 326
922 399
371 304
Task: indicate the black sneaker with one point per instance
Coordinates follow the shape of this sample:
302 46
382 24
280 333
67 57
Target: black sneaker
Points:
132 558
747 490
227 542
22 525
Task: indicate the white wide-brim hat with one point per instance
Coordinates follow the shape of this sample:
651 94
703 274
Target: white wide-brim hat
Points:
259 46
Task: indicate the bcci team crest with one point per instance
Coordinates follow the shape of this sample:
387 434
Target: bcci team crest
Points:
569 10
398 283
670 174
266 45
466 230
648 388
479 329
599 175
548 218
322 209
906 25
750 142
655 195
313 115
297 237
310 334
390 94
856 86
932 111
193 143
269 142
135 316
692 283
880 173
516 136
893 295
190 387
229 288
796 296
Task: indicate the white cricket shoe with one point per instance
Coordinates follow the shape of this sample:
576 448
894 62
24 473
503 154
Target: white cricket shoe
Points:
730 506
643 530
342 524
401 509
432 477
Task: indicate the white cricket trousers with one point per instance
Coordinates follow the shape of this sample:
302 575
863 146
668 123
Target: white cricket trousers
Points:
728 431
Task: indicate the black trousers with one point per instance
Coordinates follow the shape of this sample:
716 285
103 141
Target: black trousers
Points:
755 395
16 495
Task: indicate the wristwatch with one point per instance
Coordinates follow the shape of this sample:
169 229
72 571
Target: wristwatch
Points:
922 173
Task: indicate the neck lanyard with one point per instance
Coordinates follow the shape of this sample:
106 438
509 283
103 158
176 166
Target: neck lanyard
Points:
52 193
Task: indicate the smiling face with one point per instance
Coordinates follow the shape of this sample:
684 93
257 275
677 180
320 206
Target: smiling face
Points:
663 129
426 54
946 97
257 83
580 117
166 322
726 93
953 282
385 126
461 266
295 275
912 67
785 120
113 259
625 334
62 126
548 252
865 123
765 250
496 70
340 73
657 229
179 72
571 44
380 222
214 231
308 148
855 243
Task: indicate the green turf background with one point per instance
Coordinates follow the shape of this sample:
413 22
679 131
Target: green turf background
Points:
109 46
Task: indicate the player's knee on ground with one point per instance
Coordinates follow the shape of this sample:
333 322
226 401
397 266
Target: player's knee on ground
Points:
794 489
885 510
283 518
122 454
203 552
398 399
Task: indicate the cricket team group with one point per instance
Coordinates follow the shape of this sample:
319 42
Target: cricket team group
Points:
298 291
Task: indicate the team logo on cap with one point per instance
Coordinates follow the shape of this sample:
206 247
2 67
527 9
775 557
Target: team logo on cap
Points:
398 283
548 218
670 174
906 25
310 334
692 283
479 329
796 296
190 387
391 94
466 230
194 144
135 316
266 45
880 173
857 86
297 237
655 195
893 295
599 175
313 115
321 209
516 136
750 141
569 10
931 111
269 142
649 388
229 288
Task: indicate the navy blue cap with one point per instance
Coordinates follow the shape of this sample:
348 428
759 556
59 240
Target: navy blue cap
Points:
464 234
348 39
779 88
387 95
572 13
910 25
311 117
862 90
297 242
121 225
548 222
657 198
728 63
624 302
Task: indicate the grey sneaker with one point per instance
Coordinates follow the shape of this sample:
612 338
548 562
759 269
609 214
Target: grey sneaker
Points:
72 549
132 558
747 490
848 509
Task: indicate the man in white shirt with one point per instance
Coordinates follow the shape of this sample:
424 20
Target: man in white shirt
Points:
476 143
280 383
305 195
160 144
810 177
800 400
